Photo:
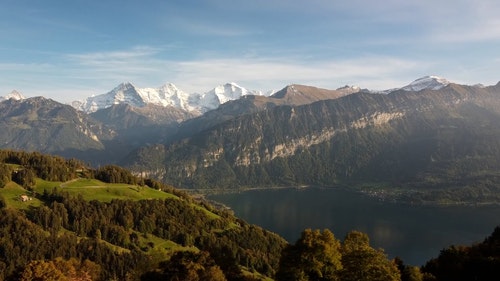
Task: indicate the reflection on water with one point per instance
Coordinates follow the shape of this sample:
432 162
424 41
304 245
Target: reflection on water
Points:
414 233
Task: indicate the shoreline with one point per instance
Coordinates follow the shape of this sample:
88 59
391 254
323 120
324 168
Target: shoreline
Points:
391 196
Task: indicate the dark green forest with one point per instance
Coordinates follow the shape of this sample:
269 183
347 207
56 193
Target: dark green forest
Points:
69 237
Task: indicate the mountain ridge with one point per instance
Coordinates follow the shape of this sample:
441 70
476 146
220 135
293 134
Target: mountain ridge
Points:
431 82
166 95
196 103
354 138
43 124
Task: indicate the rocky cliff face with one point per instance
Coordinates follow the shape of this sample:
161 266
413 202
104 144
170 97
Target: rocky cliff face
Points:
423 137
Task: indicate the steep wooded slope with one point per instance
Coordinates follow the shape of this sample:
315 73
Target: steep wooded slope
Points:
74 212
434 139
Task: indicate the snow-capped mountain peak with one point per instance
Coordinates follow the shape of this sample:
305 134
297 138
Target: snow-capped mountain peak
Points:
229 91
349 89
427 83
13 95
169 87
166 95
221 94
123 93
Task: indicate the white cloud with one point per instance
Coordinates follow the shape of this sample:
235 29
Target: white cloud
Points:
77 76
264 74
114 58
475 32
465 21
429 21
141 65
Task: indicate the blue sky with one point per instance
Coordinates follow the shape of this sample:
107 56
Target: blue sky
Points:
68 50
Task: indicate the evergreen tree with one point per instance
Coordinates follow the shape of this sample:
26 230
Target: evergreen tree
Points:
408 272
25 178
5 174
477 262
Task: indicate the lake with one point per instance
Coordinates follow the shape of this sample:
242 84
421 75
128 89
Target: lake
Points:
414 233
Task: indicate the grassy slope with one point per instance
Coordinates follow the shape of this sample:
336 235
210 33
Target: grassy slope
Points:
92 189
12 193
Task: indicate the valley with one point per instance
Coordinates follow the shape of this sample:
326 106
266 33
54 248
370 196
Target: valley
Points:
63 214
430 142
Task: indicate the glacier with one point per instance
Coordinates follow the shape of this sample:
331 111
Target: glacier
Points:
166 95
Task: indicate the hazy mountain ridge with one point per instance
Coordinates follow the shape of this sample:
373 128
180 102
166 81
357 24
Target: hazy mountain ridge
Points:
137 126
124 116
105 136
45 125
292 95
196 103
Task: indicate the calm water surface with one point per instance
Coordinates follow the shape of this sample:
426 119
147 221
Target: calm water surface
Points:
414 233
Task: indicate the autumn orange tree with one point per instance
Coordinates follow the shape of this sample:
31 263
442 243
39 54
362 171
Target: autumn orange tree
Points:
60 270
187 266
315 256
362 262
320 256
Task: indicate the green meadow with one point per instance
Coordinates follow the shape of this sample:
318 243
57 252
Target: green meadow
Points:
92 189
89 189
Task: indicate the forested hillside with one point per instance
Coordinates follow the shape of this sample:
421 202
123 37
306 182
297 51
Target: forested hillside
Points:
480 261
61 220
119 239
430 146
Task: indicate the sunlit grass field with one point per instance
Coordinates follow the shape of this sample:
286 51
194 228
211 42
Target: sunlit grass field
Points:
89 189
92 189
12 193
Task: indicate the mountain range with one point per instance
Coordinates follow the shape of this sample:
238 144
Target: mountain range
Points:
420 142
167 95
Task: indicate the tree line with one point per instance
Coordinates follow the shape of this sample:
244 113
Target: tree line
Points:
24 167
